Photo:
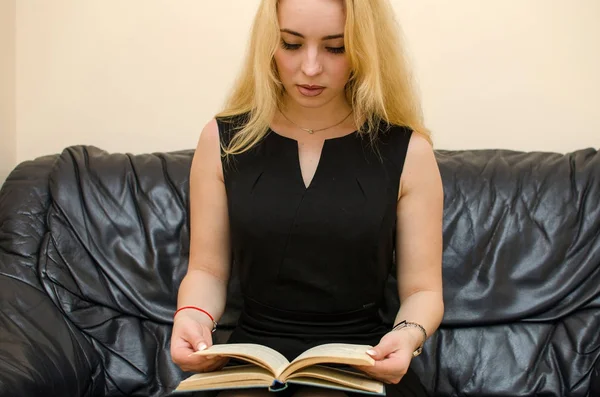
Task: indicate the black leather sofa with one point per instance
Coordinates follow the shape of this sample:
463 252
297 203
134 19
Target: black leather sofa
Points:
93 246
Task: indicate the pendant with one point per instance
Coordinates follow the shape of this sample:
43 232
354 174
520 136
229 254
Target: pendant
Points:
308 130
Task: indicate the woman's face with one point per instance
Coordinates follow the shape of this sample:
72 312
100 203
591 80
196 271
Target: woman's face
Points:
311 59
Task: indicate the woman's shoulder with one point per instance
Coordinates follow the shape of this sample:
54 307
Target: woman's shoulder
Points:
402 145
389 131
228 125
405 138
392 140
232 121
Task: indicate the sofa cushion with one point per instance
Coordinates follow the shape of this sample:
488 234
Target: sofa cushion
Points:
41 354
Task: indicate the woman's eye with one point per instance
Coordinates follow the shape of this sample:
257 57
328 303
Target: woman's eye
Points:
288 46
333 50
336 50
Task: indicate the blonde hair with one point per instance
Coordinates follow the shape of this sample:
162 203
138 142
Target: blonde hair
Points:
380 87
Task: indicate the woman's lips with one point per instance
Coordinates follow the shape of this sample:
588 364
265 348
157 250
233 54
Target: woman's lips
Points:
310 90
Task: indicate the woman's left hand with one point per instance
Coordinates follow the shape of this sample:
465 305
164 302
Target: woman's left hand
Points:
392 357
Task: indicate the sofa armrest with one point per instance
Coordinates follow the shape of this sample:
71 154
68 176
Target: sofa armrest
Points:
41 354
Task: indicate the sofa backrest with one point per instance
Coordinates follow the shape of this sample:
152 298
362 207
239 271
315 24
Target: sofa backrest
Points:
521 268
521 274
116 255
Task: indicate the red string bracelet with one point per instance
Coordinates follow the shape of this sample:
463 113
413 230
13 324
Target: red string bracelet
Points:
200 310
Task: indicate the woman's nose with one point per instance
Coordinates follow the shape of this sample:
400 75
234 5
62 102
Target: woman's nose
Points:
311 64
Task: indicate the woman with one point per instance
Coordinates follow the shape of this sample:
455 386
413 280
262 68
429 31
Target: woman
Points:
316 171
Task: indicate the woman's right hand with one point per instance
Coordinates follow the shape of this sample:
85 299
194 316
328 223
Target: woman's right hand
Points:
191 333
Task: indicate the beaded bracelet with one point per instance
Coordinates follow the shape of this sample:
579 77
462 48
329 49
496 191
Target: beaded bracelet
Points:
405 324
200 310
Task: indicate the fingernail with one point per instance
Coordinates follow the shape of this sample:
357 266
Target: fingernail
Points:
201 346
371 352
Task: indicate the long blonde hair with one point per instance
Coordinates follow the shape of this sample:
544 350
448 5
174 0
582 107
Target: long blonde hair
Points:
380 87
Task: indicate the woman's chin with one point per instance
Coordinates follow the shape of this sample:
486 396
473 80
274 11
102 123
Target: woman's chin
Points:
310 102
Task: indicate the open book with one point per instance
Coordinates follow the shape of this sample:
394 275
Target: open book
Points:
270 369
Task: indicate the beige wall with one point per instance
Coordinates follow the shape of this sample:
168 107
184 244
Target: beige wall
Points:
8 142
145 75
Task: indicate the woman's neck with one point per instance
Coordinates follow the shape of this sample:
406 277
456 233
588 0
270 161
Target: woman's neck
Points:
316 118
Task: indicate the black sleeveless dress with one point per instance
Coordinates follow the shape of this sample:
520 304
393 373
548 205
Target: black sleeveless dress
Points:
313 260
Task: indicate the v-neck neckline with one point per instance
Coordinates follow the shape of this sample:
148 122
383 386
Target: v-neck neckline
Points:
297 164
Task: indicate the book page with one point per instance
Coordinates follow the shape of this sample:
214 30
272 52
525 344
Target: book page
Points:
320 375
256 354
331 353
228 377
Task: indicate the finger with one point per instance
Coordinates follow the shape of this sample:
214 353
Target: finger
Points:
389 366
180 349
383 349
183 354
186 356
390 369
195 337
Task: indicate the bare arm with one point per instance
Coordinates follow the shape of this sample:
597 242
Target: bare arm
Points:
419 262
205 283
419 240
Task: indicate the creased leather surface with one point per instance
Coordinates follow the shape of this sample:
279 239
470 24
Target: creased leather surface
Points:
522 235
521 275
521 272
41 354
24 201
117 254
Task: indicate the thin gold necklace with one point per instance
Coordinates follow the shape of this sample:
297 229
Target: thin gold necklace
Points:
312 131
